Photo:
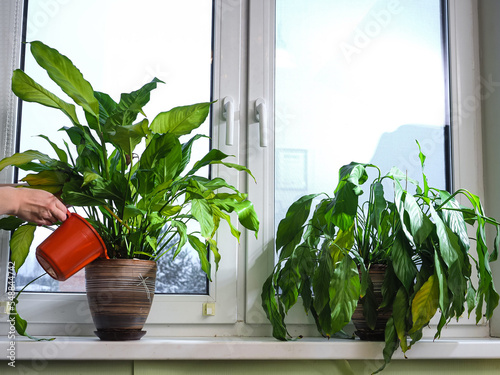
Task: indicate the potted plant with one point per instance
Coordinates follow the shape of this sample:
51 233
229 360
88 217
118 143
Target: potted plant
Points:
416 237
140 205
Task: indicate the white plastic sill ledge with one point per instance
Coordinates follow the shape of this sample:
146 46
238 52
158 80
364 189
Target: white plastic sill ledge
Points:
239 348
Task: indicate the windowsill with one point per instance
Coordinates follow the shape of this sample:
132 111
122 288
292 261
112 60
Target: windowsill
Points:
239 348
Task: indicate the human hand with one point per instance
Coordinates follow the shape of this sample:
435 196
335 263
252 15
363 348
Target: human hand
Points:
33 205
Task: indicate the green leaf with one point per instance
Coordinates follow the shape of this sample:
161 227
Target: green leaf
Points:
292 224
61 154
344 293
448 241
442 283
288 282
62 71
21 158
425 303
214 155
404 267
321 281
127 137
216 211
422 158
379 203
201 249
20 244
10 223
28 90
391 343
181 229
55 179
345 205
399 312
131 104
181 120
238 167
273 313
420 225
202 212
159 148
247 216
186 152
215 251
370 305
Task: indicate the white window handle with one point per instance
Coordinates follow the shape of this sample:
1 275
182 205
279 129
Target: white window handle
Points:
228 115
261 117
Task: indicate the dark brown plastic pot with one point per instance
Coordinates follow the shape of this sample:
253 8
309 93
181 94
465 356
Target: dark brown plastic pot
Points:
363 331
120 293
70 248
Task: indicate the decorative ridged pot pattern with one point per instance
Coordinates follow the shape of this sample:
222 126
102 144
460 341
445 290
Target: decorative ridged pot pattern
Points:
363 331
120 293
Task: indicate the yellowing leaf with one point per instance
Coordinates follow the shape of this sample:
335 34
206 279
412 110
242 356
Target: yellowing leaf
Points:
425 303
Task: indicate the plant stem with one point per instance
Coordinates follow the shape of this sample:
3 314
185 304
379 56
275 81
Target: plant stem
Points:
116 217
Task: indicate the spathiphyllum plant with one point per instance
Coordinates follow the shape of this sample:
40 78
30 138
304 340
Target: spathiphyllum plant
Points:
139 204
418 233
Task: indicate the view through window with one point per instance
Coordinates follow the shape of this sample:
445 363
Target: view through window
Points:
358 81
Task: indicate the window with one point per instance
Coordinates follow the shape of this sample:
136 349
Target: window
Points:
125 59
254 52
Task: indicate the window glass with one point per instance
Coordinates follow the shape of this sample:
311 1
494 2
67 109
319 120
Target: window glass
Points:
358 81
119 45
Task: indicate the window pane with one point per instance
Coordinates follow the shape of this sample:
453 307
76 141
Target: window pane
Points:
119 45
357 81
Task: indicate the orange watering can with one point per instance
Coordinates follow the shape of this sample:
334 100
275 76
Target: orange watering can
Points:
70 248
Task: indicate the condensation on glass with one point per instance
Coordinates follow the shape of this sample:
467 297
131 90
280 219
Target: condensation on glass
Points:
358 81
119 45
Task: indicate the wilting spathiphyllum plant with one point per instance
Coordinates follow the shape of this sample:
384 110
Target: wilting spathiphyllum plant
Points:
420 236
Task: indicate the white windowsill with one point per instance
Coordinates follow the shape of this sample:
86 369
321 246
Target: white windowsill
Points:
239 348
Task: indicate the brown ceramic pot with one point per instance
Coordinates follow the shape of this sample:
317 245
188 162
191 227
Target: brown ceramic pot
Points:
120 293
377 274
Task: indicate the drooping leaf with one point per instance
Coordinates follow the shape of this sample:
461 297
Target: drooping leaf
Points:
272 310
288 283
420 225
20 244
399 312
292 224
391 343
344 293
425 303
404 267
201 249
442 283
247 216
321 282
202 211
21 158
